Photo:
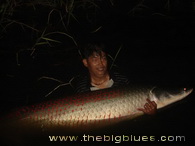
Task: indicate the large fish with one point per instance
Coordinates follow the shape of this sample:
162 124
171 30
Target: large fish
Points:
90 110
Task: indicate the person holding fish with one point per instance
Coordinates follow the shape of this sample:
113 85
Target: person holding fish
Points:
94 58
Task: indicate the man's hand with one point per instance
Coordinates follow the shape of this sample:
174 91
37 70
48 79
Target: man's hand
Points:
150 107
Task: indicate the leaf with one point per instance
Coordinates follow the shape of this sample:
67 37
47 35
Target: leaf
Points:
51 40
58 32
117 53
41 43
96 29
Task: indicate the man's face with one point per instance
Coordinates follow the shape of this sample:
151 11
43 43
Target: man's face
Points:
96 64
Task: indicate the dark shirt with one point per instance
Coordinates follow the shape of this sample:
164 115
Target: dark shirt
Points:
82 83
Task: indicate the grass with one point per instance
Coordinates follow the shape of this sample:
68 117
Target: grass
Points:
65 10
44 39
68 13
59 21
115 57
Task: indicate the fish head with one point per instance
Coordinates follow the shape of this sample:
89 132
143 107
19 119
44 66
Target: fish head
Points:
167 97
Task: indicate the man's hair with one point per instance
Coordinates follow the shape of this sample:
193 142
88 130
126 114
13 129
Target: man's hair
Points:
90 48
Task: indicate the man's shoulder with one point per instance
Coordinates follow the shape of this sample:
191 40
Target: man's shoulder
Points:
119 78
80 83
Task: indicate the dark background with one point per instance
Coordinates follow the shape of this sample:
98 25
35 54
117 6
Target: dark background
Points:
157 47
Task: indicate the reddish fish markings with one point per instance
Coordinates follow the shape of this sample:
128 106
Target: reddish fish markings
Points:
60 105
91 108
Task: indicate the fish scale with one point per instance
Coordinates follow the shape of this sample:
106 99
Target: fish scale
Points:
104 106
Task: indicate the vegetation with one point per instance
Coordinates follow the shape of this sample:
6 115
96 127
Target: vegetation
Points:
33 26
43 22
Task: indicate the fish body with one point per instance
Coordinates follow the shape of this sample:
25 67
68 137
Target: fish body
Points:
90 110
96 106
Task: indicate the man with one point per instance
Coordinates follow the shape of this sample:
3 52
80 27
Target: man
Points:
95 60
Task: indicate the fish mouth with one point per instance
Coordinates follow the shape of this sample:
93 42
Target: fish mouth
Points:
188 90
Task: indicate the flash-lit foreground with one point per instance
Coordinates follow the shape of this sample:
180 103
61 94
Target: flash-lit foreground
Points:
88 110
